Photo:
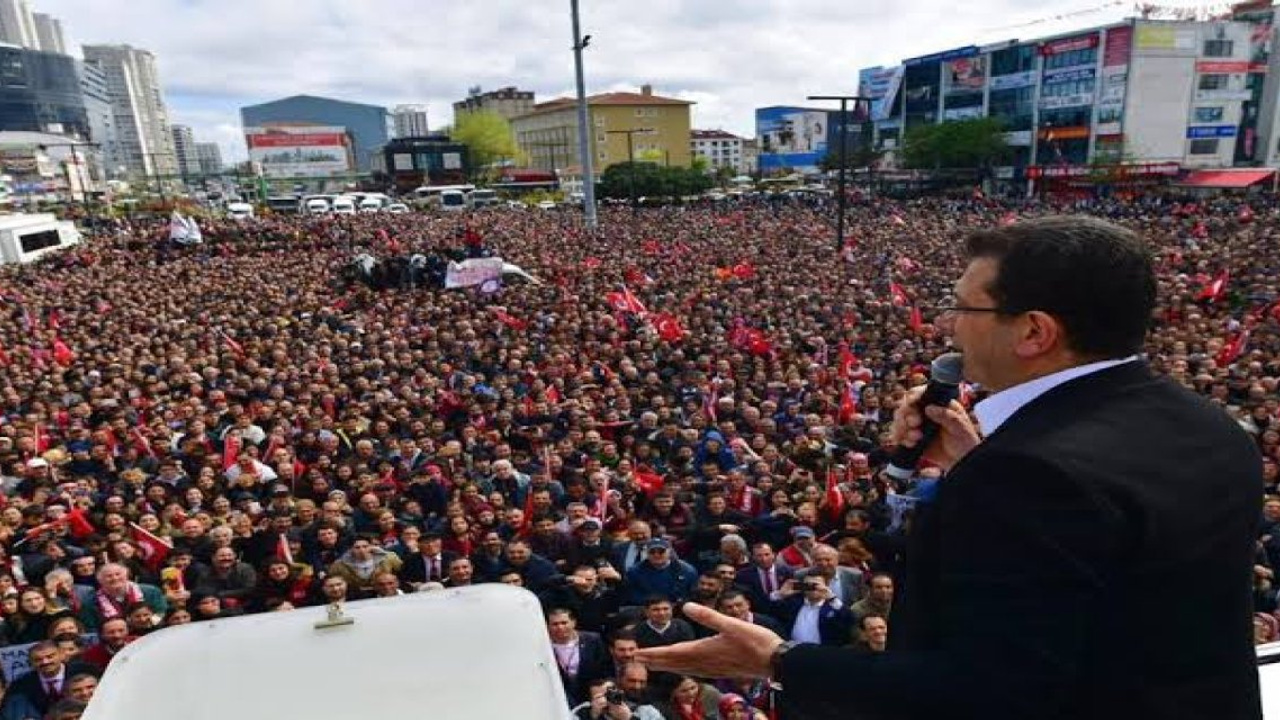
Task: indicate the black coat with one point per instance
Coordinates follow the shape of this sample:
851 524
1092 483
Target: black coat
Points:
30 687
594 663
1092 558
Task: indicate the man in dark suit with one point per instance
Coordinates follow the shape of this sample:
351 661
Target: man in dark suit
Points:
735 604
1050 562
765 579
431 564
581 656
816 616
44 685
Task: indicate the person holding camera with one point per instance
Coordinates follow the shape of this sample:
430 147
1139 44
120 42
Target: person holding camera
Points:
608 702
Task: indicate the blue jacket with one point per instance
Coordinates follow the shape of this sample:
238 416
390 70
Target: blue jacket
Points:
675 582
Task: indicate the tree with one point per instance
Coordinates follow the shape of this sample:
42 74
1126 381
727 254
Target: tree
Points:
652 180
488 137
970 144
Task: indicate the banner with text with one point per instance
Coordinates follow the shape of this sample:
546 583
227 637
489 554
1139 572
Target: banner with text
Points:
1115 79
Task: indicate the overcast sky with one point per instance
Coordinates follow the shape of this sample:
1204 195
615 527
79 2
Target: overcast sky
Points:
729 56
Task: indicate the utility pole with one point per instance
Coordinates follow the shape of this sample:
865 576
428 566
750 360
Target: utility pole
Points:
844 158
584 123
631 159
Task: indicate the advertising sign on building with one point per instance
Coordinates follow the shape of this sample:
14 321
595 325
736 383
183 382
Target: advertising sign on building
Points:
1115 79
945 56
1211 131
965 76
964 113
880 85
300 151
1066 75
1260 45
1222 66
791 137
1164 37
1057 102
1013 81
1079 42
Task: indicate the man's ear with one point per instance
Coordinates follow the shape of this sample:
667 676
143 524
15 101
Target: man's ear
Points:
1038 334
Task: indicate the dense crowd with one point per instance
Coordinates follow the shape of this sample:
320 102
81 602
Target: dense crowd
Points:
691 404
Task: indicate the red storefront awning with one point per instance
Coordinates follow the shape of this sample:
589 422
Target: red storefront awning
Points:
1226 178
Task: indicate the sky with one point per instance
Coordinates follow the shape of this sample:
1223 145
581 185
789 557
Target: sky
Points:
728 56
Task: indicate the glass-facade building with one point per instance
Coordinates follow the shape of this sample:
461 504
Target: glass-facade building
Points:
40 92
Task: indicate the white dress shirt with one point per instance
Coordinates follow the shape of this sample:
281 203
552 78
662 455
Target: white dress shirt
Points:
805 629
995 410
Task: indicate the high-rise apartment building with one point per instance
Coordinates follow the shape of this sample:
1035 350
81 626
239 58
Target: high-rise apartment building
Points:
409 121
508 102
101 117
209 157
138 108
49 33
184 147
17 25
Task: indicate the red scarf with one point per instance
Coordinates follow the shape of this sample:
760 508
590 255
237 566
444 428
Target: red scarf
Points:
108 608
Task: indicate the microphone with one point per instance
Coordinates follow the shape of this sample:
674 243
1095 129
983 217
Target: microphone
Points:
945 374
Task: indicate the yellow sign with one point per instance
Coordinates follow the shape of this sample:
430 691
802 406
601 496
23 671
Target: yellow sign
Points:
1156 37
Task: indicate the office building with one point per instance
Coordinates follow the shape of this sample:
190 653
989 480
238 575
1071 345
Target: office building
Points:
138 108
18 24
184 148
101 118
509 102
409 121
40 92
366 124
649 126
209 158
49 33
721 149
1159 97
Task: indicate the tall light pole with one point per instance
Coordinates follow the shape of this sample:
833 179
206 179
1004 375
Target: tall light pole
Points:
584 128
844 158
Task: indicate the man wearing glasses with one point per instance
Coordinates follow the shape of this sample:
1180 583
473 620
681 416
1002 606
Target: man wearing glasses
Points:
1045 573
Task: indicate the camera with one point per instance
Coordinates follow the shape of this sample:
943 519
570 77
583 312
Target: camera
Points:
614 696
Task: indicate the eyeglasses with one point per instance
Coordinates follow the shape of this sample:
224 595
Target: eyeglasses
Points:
955 306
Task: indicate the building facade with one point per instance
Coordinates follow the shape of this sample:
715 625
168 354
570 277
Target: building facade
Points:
18 24
209 158
366 124
649 126
412 162
138 108
509 102
49 33
184 147
101 116
721 149
1163 93
40 92
409 121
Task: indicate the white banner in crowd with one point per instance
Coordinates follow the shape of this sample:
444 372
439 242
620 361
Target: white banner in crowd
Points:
470 273
184 230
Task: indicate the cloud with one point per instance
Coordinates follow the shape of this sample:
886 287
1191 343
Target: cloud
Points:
215 56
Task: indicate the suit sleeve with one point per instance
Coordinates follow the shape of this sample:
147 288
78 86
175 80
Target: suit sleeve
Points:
1025 558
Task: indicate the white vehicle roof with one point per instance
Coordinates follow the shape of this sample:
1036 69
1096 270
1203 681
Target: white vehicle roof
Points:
434 654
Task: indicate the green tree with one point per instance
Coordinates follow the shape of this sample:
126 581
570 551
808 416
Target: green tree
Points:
652 181
488 137
976 143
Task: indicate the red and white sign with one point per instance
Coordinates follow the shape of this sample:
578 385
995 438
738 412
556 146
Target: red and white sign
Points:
300 151
1222 66
280 139
1080 42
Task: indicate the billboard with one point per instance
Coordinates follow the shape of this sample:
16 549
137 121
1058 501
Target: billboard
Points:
880 84
300 151
1080 42
1115 80
965 76
1013 81
791 137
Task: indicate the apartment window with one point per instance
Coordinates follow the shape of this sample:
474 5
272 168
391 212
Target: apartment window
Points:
600 121
600 137
1214 81
1208 114
1204 147
1218 48
639 112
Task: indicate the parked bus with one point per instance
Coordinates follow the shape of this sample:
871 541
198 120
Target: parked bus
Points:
484 197
445 197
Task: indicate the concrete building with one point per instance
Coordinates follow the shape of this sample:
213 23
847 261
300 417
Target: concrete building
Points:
1166 95
18 24
184 147
138 107
40 92
101 117
209 158
721 149
366 124
509 102
409 121
658 129
49 33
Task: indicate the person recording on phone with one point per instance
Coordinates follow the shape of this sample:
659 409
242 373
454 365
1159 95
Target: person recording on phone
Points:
1088 552
610 703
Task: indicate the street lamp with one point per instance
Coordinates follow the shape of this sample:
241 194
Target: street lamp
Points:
584 146
631 159
844 157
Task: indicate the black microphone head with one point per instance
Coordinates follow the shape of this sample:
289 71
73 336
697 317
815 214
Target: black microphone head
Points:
947 368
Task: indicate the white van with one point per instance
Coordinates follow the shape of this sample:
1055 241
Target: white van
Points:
453 200
344 205
315 206
374 202
239 211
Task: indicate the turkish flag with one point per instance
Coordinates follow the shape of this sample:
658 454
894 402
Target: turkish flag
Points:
282 549
846 361
230 450
917 320
154 549
649 481
1216 289
668 326
78 524
744 270
626 301
61 353
1232 350
898 295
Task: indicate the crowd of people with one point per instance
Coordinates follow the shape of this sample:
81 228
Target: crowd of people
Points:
690 403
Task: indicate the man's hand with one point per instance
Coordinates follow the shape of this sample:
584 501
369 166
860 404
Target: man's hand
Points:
957 435
739 650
